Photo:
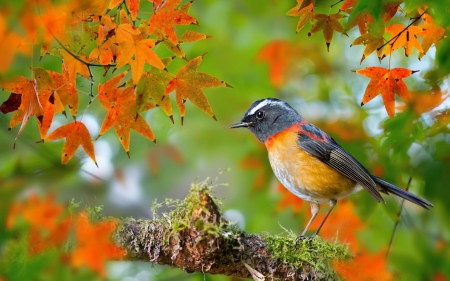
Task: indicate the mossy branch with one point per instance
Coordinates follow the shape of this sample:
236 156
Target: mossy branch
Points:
196 238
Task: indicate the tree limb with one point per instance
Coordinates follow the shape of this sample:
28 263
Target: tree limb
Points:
196 238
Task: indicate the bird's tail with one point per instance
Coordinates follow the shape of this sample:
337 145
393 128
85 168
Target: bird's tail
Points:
390 188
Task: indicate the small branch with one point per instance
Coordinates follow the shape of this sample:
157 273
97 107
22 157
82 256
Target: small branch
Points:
336 3
398 220
196 238
400 33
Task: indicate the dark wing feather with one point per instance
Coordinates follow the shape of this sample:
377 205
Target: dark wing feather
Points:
337 158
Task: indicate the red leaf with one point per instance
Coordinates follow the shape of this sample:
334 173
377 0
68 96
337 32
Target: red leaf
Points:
386 82
188 84
76 134
364 266
94 245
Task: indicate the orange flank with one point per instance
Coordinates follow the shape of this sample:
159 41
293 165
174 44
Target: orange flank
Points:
308 175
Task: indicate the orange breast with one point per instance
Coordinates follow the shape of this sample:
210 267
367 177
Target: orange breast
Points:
303 174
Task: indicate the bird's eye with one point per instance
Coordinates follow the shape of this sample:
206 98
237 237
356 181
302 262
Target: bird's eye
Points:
259 114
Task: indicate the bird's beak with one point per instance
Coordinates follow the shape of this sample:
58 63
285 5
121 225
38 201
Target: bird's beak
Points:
241 124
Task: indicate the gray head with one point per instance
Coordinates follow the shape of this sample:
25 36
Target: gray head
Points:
267 117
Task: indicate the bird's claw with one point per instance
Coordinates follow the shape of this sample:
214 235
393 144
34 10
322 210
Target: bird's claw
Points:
302 237
299 238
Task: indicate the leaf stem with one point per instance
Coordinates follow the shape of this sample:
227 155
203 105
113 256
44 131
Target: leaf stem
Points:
400 33
398 220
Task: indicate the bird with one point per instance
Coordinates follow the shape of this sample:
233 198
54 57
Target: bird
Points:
310 163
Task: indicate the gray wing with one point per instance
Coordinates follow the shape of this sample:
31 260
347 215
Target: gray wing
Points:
337 158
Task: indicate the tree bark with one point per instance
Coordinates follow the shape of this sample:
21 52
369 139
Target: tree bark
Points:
196 238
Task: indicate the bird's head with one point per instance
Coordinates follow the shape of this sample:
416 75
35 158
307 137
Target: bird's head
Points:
268 117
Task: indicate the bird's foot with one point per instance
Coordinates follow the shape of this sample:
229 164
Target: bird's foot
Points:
302 237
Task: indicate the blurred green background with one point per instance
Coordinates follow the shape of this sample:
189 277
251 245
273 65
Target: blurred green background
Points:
319 85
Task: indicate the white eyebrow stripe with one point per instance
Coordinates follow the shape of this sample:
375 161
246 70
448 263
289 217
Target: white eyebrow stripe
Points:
264 103
256 108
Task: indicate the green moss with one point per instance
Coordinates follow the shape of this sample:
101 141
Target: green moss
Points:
182 216
317 253
195 211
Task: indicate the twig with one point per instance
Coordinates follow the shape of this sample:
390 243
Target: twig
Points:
400 33
336 3
398 220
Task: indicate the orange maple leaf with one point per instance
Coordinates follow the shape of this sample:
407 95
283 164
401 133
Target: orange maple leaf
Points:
29 101
288 199
151 87
188 84
342 224
404 37
373 40
94 245
122 113
166 16
364 18
304 10
431 33
255 162
387 82
133 7
12 44
65 90
327 23
142 53
39 241
47 228
39 213
76 134
281 55
364 266
55 92
424 101
73 66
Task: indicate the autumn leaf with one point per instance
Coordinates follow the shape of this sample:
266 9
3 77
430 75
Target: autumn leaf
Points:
122 113
192 36
304 10
76 134
151 87
48 228
327 23
288 199
46 99
65 90
39 213
74 65
94 246
373 40
431 33
39 241
281 55
29 101
166 17
387 82
364 266
133 7
403 37
342 224
255 164
425 101
15 44
142 53
188 84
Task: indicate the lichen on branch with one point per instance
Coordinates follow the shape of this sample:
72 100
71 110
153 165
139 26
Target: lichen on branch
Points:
196 238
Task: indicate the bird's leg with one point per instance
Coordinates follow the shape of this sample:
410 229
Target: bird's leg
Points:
332 204
315 207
